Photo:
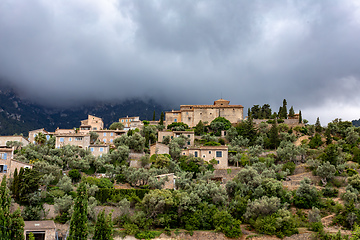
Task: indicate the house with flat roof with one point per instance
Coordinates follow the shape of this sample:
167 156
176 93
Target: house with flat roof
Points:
192 114
92 123
17 138
174 134
108 136
99 149
76 139
219 153
42 230
131 122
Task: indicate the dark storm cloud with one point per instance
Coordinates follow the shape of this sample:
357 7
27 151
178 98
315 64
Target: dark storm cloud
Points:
186 52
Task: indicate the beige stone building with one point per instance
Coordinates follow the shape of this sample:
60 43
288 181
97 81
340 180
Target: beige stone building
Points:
45 230
8 165
108 136
91 124
173 134
170 182
159 148
18 138
192 114
77 139
219 153
99 149
34 133
64 131
131 122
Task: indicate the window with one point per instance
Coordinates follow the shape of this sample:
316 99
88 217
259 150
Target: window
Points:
92 149
101 149
218 153
35 134
209 152
111 140
188 136
196 154
94 128
104 140
70 139
204 156
104 134
61 139
111 134
172 137
78 139
3 168
175 120
218 161
47 137
189 143
3 155
122 120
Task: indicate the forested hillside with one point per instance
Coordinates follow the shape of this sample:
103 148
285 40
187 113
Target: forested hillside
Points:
20 116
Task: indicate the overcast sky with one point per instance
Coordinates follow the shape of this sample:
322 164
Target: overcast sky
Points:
186 52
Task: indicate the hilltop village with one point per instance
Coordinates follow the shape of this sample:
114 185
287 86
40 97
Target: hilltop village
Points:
199 172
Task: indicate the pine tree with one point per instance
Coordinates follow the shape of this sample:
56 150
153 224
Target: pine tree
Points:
153 116
284 110
103 227
291 112
318 127
161 118
300 117
78 222
274 136
12 225
199 128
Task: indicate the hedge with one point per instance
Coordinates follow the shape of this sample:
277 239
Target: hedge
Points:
103 194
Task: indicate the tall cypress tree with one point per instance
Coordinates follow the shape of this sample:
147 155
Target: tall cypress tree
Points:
103 227
78 222
12 225
153 116
284 109
161 118
274 136
300 117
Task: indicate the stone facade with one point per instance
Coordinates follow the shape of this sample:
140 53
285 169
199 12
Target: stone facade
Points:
34 133
108 136
192 114
91 124
76 139
41 229
170 183
173 134
159 148
131 122
8 165
5 139
99 149
219 153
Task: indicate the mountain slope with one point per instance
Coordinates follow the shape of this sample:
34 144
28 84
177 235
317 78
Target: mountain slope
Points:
20 116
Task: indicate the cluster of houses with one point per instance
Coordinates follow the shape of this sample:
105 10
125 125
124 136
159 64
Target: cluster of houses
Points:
189 114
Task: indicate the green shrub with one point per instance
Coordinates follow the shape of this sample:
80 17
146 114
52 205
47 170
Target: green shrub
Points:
212 144
62 218
316 226
131 229
75 175
330 192
290 166
104 194
280 120
147 234
351 172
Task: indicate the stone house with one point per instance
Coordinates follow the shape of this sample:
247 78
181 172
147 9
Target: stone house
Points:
159 148
131 122
219 153
18 138
170 182
8 165
91 124
64 131
173 134
77 139
45 230
192 114
108 136
99 149
34 133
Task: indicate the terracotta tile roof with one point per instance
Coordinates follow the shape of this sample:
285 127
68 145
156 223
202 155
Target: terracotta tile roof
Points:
32 225
212 106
